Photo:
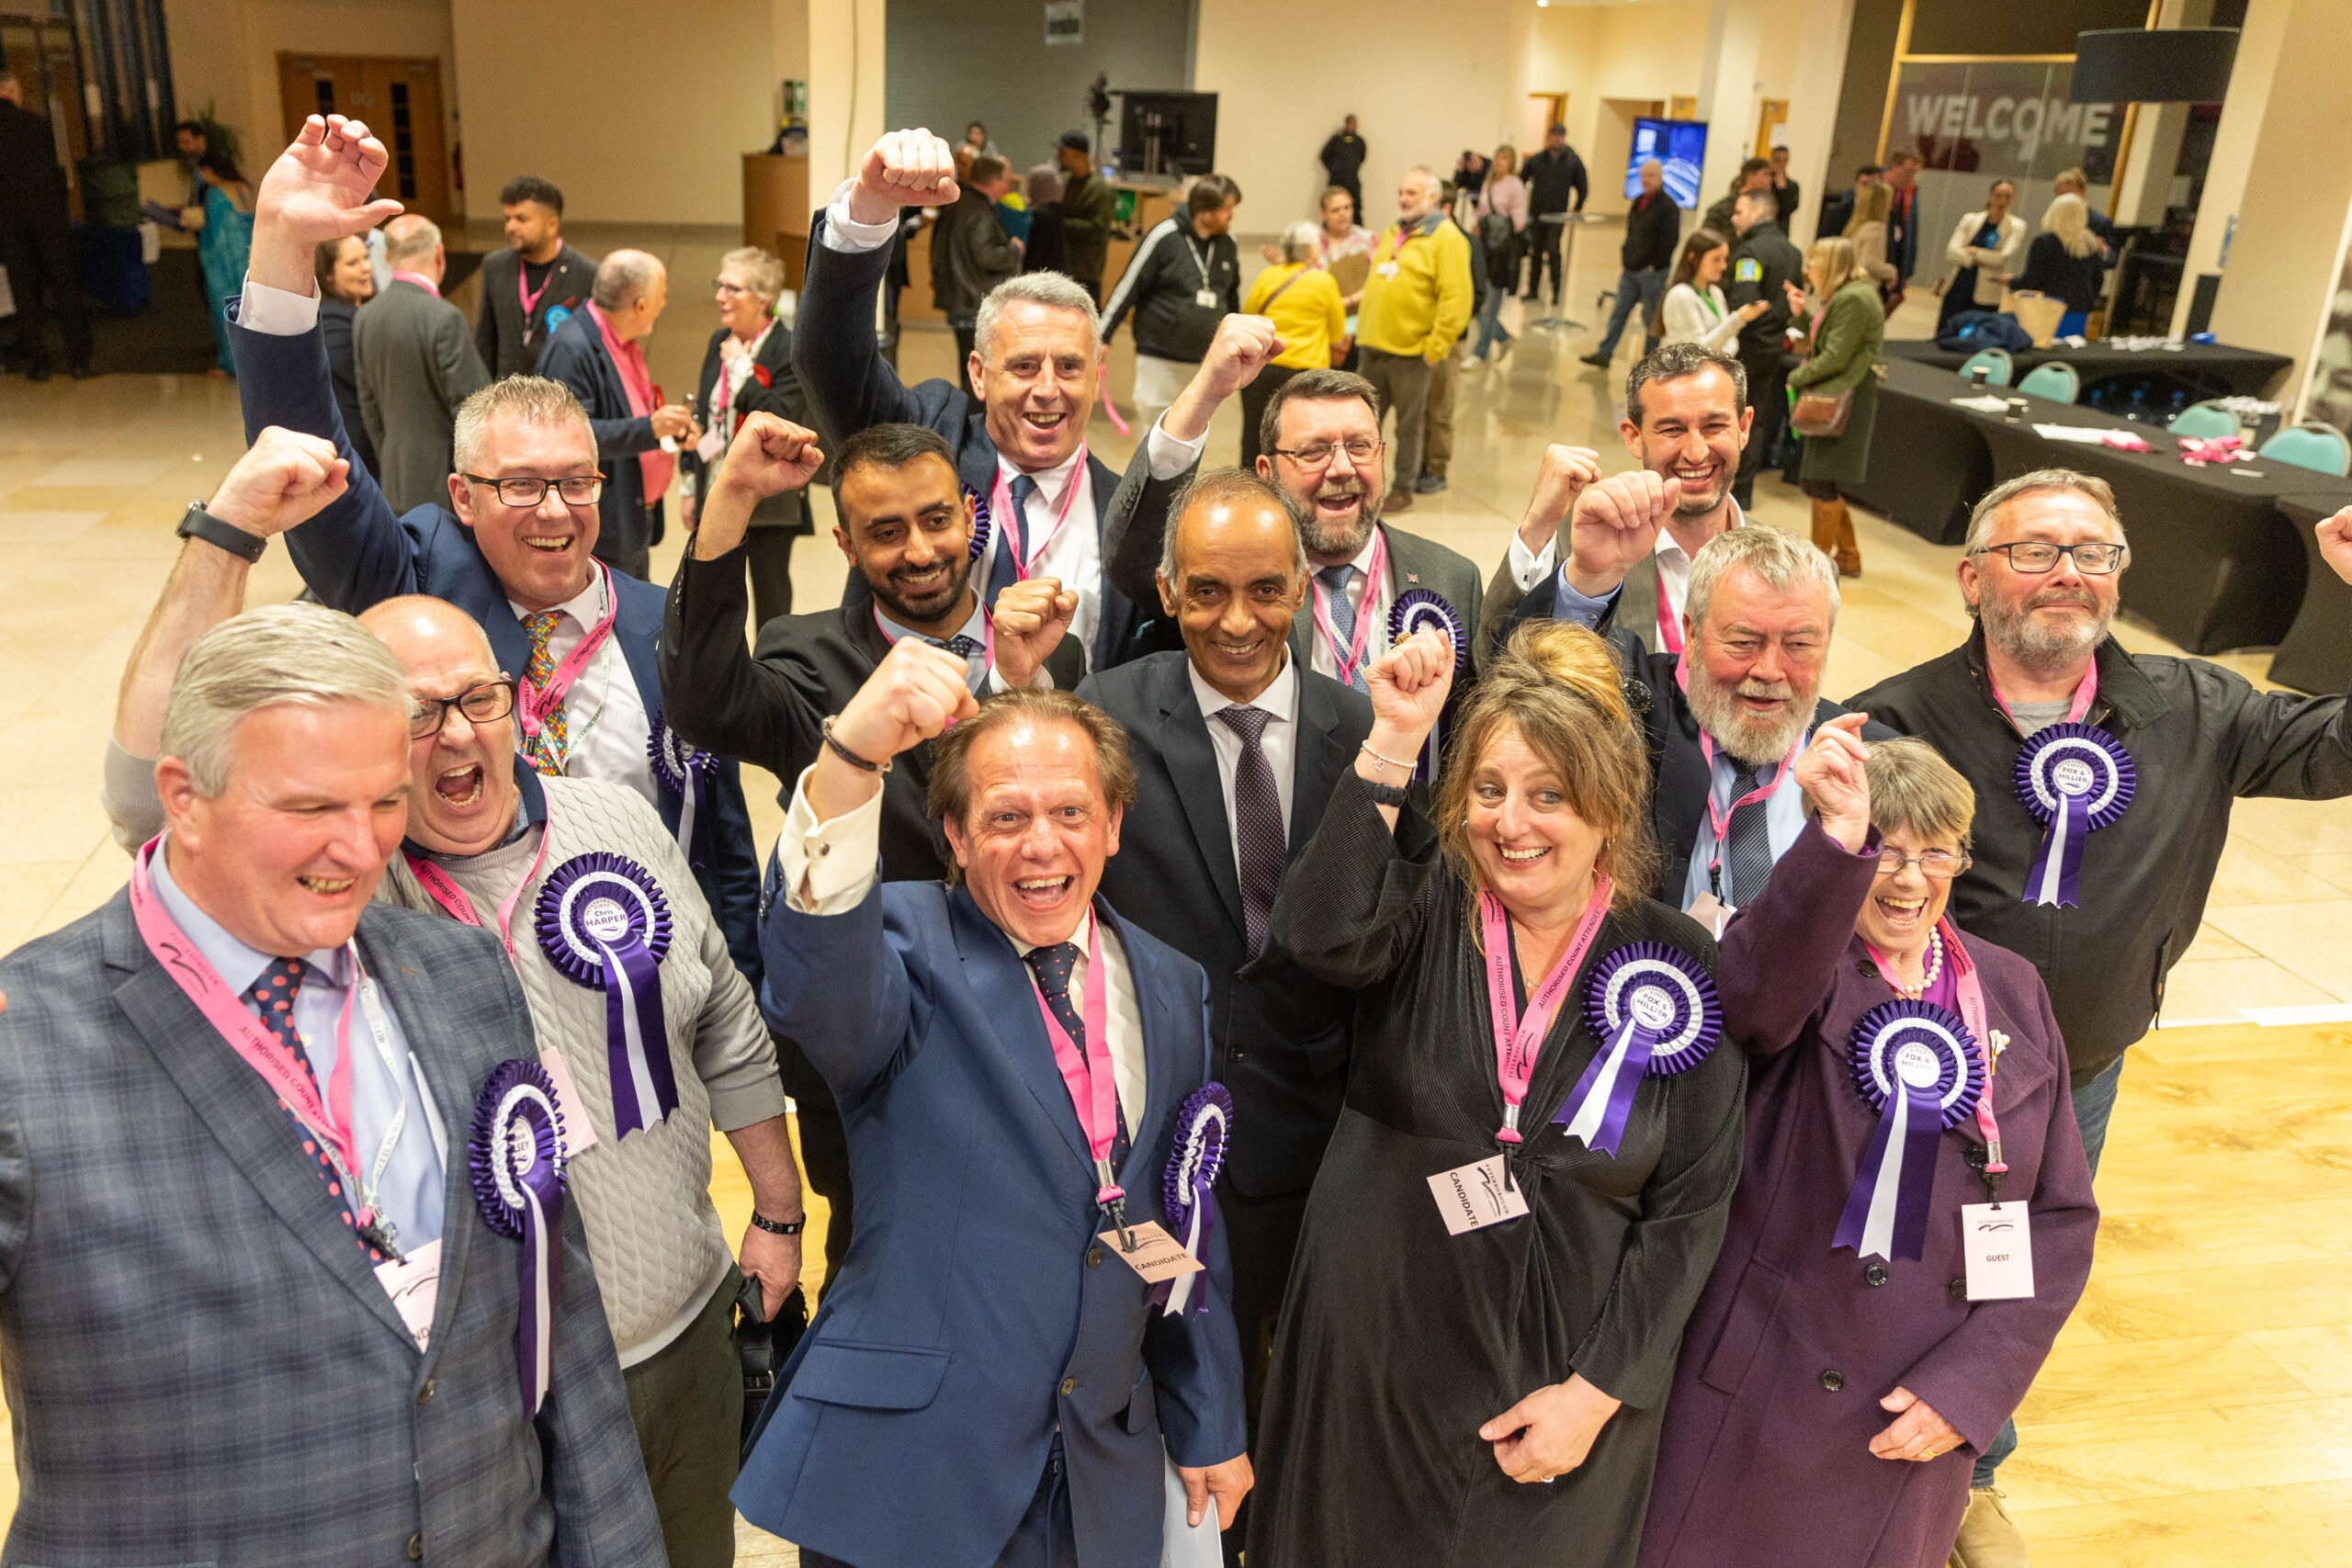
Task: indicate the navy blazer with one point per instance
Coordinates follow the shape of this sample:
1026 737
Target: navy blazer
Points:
357 552
574 355
848 387
975 1314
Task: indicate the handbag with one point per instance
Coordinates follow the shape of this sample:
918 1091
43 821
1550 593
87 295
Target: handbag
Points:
1822 415
764 1344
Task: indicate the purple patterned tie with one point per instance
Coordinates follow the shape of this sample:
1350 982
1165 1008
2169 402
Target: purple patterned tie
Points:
272 999
1256 822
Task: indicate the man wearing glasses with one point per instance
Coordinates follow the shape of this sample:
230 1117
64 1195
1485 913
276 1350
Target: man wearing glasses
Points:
2103 912
514 547
1320 444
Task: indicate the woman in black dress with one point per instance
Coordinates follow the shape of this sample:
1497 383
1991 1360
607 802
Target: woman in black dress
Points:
746 370
1488 1397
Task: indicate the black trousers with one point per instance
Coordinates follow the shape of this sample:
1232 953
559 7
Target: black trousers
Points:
769 561
1544 244
966 336
38 258
1768 381
1260 1233
824 1155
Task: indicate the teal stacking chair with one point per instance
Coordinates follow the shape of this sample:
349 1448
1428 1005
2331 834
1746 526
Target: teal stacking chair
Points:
2322 447
2057 381
2205 422
1999 366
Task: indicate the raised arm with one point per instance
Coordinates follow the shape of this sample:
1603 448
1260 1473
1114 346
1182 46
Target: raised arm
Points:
2279 743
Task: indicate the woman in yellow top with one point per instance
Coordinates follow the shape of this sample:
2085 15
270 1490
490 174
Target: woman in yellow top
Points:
1303 302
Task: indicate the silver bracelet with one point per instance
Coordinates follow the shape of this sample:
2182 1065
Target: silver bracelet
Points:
1385 764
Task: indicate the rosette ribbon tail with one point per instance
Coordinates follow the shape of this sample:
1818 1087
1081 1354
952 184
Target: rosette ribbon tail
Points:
637 1040
1598 1106
1886 1210
1182 1295
2057 873
540 1269
514 1155
692 801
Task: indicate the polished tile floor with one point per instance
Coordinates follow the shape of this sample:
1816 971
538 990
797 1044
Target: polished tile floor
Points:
2198 1409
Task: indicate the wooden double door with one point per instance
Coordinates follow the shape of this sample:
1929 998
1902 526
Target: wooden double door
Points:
400 102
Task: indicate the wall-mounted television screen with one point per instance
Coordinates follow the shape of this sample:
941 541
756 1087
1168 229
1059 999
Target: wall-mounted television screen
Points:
1680 145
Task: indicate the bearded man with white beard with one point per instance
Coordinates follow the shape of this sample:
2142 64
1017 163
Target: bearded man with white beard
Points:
2104 895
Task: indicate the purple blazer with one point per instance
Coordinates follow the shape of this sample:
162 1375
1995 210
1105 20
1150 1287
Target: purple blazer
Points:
1765 1456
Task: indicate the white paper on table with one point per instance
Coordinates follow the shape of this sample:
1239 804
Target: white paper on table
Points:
2087 434
1183 1545
1988 404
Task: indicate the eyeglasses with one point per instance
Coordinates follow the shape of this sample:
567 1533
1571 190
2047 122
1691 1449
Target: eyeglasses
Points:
1361 450
524 489
1938 865
723 287
2037 555
485 703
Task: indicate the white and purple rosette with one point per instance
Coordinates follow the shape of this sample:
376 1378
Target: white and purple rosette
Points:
1654 1011
604 921
688 773
1204 1131
983 525
515 1153
1414 610
1916 1065
2075 779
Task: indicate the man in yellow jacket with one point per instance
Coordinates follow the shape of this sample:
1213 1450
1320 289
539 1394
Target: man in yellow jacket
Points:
1415 305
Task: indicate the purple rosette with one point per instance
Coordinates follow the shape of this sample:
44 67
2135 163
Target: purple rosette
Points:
1654 1010
1414 610
983 525
1204 1130
2075 779
604 921
688 773
1916 1065
515 1153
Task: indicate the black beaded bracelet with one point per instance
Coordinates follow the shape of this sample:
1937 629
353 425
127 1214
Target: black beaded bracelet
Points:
777 1227
845 754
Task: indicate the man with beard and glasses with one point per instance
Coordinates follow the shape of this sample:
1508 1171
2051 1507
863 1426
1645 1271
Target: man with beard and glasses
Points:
1685 422
1319 445
1729 714
906 526
2041 573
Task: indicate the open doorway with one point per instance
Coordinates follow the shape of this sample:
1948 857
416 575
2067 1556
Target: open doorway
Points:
1612 144
1544 110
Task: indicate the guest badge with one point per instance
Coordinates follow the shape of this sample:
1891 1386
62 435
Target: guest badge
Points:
1472 1196
1998 1240
1205 298
1157 1257
413 1281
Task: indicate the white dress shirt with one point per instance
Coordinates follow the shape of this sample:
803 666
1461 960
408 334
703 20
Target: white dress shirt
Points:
1366 597
829 868
605 723
1278 740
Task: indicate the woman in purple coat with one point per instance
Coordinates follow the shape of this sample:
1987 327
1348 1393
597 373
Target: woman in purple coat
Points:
1849 1357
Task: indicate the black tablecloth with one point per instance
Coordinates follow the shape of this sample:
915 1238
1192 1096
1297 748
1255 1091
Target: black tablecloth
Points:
2316 655
2215 563
2216 369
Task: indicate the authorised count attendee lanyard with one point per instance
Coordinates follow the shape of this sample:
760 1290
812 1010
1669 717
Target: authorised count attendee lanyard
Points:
1014 527
1346 662
327 1119
1088 1076
2086 693
1718 818
1519 1039
442 890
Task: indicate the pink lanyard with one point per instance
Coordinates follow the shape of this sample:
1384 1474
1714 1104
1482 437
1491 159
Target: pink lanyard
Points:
445 891
2085 692
1669 623
419 279
1345 665
539 702
530 300
1719 818
1093 1091
328 1120
1519 1039
1016 527
1970 990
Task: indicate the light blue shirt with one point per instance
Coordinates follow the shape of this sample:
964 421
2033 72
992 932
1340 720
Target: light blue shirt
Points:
412 1192
1574 606
976 663
1784 821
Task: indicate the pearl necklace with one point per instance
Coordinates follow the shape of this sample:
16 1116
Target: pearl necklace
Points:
1934 967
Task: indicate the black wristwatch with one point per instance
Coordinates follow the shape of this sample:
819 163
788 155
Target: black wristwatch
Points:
198 523
776 1227
1384 794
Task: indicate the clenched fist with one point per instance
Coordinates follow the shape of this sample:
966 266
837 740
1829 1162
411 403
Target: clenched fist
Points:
1614 524
913 696
1566 472
283 479
906 168
1031 618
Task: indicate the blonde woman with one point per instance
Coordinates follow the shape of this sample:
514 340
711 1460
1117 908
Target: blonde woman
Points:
1303 302
2064 263
1848 341
1432 1373
1504 199
1867 230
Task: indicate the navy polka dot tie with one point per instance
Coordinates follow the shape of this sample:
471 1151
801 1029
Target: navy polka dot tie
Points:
1053 966
272 999
1256 822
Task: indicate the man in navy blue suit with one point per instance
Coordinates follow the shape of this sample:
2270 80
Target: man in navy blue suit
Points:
516 546
990 1380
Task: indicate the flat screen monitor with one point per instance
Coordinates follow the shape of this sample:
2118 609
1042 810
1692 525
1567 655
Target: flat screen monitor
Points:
1166 133
1680 145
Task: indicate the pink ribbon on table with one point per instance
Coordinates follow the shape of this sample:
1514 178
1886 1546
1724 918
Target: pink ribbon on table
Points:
2213 449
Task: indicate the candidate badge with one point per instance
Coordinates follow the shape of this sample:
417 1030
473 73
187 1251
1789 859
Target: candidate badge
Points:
1203 1128
689 773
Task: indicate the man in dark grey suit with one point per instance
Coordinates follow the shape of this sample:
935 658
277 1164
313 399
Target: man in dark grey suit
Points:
1237 747
416 363
292 1336
532 286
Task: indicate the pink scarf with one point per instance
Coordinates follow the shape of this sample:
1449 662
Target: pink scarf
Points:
657 466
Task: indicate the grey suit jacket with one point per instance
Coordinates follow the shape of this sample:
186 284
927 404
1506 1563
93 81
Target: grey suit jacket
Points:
1635 609
1413 562
416 362
201 1368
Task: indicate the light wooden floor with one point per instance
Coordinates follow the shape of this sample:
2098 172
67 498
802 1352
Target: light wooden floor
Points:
2197 1412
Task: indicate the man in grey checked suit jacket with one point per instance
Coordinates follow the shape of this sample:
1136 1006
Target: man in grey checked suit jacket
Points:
200 1364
